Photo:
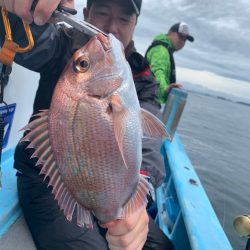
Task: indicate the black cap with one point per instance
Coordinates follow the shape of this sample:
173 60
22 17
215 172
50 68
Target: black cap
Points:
183 29
137 6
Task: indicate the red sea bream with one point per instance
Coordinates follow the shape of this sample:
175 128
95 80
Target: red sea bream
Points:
89 143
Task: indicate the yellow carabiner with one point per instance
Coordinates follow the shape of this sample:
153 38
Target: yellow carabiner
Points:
9 33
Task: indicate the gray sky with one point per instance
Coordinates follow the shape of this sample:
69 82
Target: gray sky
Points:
221 30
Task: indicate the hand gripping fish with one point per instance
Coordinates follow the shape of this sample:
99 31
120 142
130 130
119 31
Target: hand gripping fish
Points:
89 143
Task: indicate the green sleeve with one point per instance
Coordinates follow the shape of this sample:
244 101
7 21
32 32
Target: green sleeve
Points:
159 60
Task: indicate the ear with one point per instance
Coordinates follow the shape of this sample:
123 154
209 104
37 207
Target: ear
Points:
85 13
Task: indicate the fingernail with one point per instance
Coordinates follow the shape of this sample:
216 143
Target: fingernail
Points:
28 21
39 20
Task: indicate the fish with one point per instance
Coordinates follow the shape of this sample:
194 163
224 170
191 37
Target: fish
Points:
89 142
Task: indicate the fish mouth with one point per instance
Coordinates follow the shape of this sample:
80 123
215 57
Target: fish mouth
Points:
112 44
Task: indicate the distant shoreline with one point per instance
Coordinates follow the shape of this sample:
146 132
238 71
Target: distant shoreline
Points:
218 97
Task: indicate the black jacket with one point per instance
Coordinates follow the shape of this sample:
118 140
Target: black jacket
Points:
54 46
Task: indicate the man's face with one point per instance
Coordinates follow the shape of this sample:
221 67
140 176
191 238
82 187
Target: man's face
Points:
113 16
178 40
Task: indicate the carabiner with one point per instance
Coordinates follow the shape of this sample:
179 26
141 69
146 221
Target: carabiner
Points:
10 48
9 33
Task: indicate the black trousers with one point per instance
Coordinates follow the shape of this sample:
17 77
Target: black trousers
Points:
248 244
51 230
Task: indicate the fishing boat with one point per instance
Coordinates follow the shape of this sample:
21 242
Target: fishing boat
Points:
182 208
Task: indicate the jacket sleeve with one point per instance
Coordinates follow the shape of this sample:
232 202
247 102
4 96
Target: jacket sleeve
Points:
159 60
152 160
46 39
147 92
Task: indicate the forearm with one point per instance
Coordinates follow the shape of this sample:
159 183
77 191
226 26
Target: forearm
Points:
162 80
160 66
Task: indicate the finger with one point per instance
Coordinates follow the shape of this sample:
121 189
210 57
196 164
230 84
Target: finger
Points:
23 9
44 10
9 5
177 85
141 246
126 225
109 224
138 234
134 241
68 3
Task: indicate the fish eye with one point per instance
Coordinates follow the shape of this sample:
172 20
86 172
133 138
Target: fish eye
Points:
81 64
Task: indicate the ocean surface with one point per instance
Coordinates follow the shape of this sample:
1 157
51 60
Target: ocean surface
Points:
216 135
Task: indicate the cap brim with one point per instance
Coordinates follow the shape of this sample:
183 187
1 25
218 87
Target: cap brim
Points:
190 38
137 11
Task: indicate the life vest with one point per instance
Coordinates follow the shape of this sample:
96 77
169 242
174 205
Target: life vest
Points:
170 51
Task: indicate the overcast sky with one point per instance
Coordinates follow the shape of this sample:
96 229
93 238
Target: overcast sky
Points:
221 30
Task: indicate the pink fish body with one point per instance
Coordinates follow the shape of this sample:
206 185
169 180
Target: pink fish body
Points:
89 142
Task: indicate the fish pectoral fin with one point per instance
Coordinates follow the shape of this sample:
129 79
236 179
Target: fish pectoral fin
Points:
102 88
152 126
119 119
139 198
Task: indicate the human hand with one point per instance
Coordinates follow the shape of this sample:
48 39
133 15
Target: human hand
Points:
130 233
171 86
42 12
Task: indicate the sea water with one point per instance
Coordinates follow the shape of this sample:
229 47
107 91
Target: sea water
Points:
215 132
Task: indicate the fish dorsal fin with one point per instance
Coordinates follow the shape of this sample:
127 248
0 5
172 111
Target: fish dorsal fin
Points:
103 88
38 138
152 126
139 198
120 115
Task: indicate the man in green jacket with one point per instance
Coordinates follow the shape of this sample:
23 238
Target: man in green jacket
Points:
161 60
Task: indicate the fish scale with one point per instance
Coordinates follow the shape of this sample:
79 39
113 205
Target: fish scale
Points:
89 142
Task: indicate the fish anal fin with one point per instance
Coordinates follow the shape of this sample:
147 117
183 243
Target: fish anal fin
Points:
152 126
139 198
119 120
84 217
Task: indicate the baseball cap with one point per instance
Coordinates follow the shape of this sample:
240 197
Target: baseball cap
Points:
137 6
183 29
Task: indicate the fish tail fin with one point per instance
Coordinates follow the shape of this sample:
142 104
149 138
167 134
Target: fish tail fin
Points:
139 199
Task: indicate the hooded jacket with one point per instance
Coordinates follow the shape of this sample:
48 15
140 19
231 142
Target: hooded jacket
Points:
160 57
